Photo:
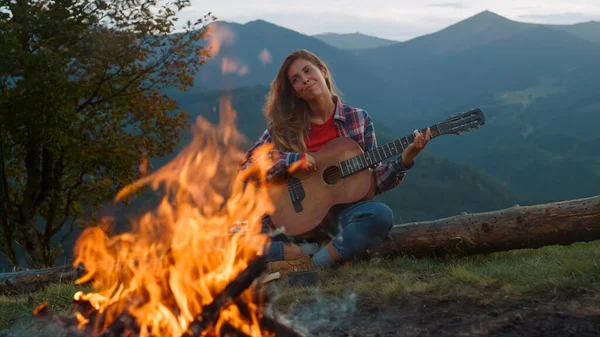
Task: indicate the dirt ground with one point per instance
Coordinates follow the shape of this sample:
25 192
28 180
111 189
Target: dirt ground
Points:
421 317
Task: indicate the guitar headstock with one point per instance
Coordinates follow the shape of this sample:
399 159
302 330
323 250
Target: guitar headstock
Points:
463 122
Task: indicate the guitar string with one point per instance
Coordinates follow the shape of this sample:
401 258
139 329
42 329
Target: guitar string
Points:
333 173
329 174
408 140
375 152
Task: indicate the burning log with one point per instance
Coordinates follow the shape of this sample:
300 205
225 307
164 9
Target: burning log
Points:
126 324
557 223
229 295
234 289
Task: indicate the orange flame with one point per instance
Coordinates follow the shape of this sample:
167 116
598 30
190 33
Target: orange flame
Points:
177 258
218 34
265 57
230 66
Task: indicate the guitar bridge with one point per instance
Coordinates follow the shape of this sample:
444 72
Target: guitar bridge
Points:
296 193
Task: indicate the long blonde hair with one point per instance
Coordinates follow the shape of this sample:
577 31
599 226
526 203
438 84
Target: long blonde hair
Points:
288 116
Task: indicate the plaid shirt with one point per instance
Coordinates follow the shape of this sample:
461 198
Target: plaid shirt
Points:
350 122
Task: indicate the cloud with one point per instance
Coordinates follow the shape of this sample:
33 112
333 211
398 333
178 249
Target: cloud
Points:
398 20
525 7
561 18
448 4
400 29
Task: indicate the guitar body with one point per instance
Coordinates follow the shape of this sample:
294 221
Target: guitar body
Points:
321 189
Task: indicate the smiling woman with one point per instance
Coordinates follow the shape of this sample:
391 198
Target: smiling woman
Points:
304 113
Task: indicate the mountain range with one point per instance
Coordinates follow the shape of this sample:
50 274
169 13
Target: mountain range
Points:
353 41
486 22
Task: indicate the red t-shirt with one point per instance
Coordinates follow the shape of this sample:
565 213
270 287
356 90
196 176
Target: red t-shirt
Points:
320 134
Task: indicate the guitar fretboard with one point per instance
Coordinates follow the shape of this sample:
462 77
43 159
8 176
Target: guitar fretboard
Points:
381 153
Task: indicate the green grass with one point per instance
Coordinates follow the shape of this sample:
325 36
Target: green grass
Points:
58 296
550 272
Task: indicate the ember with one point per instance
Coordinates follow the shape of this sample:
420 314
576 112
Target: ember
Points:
186 268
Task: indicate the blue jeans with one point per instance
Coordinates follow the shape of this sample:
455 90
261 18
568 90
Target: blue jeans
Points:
356 228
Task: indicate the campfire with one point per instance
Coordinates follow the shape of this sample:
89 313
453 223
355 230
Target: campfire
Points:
190 267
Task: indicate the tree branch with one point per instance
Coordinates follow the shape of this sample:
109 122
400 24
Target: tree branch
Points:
27 234
51 213
95 93
54 185
47 176
151 68
7 230
104 79
66 235
70 200
32 165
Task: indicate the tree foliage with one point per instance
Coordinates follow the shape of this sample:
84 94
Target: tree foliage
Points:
82 105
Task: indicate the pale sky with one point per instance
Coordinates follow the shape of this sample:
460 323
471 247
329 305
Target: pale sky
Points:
393 19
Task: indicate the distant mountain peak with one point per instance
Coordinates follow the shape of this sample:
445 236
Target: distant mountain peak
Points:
263 25
488 12
266 24
258 22
353 41
487 16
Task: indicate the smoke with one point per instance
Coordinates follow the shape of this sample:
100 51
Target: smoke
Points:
324 314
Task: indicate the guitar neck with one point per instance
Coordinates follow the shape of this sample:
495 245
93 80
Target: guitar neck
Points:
381 153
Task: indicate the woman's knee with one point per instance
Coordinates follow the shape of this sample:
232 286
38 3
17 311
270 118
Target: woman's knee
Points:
383 219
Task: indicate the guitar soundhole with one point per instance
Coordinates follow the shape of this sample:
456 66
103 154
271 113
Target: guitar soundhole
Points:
332 175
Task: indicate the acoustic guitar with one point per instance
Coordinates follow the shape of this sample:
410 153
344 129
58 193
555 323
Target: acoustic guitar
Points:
344 174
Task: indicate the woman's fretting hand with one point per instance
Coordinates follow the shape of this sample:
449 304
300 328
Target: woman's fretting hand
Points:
409 154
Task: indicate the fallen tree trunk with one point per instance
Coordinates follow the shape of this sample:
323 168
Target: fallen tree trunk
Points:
28 281
557 223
